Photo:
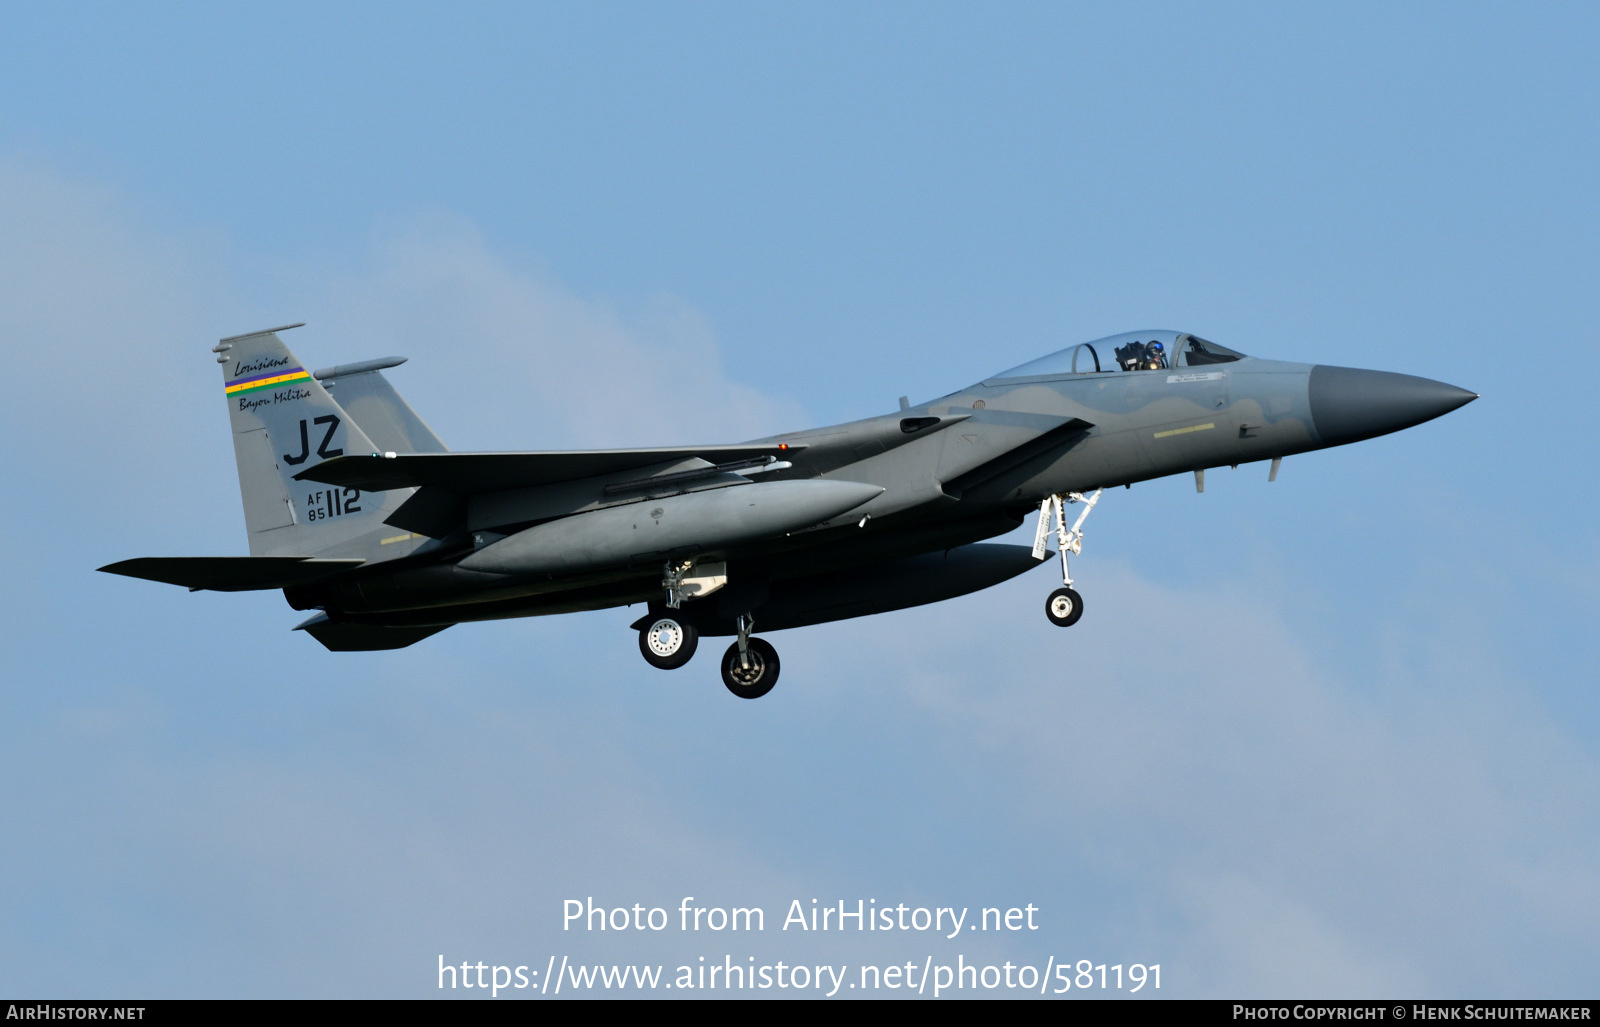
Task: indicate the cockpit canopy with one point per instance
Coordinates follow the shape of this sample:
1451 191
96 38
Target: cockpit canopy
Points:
1131 351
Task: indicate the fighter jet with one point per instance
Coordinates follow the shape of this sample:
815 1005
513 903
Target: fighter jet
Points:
356 510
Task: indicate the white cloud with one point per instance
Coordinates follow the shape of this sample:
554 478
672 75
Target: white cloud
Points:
507 359
109 320
104 318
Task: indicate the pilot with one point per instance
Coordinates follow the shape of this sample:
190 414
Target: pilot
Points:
1154 357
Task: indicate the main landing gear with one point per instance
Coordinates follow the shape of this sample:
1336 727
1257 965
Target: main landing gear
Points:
1064 606
667 639
750 666
668 642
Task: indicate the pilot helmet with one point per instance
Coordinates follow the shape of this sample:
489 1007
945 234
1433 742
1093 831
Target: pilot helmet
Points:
1157 347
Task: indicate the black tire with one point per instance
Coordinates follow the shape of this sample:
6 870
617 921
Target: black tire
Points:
1064 606
667 642
756 674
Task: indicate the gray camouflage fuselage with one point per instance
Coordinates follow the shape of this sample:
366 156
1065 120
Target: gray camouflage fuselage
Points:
986 458
795 529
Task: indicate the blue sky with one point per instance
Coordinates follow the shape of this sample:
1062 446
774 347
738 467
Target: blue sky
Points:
1335 735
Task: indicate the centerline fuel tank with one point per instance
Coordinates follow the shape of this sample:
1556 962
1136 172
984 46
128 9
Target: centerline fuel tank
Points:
657 529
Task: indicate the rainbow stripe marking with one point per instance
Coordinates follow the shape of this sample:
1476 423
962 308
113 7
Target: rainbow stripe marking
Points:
270 380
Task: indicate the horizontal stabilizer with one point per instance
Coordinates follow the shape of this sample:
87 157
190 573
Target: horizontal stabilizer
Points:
361 638
230 573
467 473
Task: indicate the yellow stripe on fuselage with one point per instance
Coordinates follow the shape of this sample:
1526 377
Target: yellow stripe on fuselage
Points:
1185 431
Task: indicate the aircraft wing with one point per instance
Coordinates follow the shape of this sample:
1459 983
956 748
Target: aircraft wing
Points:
230 573
467 473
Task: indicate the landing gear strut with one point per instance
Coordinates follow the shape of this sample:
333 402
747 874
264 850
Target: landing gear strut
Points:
750 666
1065 605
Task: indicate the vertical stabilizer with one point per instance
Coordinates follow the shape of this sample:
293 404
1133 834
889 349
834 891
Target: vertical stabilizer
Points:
381 412
285 422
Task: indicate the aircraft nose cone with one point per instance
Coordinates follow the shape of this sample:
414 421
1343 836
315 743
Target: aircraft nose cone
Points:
1349 404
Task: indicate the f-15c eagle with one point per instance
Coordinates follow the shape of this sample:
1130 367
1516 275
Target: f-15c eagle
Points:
356 510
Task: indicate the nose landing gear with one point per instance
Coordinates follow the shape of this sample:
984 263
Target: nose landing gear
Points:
1064 606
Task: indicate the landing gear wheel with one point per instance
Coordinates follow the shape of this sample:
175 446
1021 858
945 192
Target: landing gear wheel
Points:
750 674
1064 607
667 642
